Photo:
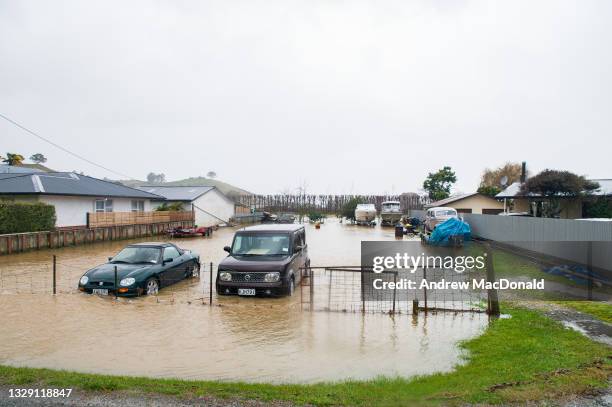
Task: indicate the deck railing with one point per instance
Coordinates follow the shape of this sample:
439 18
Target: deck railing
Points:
104 219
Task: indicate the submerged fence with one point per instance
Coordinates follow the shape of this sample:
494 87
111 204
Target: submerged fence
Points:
358 289
328 289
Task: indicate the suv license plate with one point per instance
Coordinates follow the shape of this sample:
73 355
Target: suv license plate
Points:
100 291
246 291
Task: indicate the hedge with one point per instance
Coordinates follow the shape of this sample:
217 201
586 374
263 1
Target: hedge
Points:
18 217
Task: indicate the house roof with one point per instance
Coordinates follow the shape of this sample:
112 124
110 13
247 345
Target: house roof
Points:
450 199
511 191
514 190
171 193
278 227
66 183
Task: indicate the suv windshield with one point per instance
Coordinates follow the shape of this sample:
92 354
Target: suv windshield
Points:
265 244
133 255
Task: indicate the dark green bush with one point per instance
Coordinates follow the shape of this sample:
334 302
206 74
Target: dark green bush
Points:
18 217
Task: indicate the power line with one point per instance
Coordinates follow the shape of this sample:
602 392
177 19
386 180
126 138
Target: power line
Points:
60 147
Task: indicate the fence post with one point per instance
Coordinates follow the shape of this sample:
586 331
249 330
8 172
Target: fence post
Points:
492 299
116 285
590 269
329 291
425 287
311 277
362 292
211 284
394 289
54 274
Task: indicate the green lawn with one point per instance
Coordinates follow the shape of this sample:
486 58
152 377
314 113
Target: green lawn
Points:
522 358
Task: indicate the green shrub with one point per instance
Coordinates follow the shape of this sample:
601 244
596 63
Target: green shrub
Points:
174 207
18 217
348 210
315 216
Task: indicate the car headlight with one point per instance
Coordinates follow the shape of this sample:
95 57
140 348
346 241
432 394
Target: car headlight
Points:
84 280
225 276
272 277
127 281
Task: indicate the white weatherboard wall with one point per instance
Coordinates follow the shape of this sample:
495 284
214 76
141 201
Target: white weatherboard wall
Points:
72 210
215 203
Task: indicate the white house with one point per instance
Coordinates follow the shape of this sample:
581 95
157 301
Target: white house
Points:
73 195
211 207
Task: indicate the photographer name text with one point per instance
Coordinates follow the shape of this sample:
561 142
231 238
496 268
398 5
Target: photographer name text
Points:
474 284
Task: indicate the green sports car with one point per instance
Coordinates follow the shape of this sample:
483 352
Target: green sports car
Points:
142 268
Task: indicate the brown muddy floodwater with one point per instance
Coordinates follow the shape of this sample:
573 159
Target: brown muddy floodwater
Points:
248 339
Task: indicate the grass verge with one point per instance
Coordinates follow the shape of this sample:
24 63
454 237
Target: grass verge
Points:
598 309
527 357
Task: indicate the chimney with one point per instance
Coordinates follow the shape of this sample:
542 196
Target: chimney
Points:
523 172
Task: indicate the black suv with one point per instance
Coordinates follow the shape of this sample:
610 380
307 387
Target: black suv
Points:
264 260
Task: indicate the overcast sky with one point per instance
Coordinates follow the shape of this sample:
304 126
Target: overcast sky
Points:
340 96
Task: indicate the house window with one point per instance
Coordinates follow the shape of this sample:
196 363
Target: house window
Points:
137 206
103 205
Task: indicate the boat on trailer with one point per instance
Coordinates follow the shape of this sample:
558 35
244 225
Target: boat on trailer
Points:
365 214
390 213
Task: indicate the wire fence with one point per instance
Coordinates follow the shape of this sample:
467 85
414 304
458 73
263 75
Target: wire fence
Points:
359 289
331 289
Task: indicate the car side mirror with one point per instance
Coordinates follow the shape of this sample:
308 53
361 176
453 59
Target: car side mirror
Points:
110 258
227 249
168 261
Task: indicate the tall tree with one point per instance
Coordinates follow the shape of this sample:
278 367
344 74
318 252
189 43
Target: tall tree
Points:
438 184
348 209
13 159
550 186
491 179
154 178
38 158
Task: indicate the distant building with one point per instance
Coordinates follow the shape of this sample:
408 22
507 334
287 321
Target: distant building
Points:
210 206
73 195
571 207
471 203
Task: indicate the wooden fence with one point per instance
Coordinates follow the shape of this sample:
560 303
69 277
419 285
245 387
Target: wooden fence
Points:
325 203
104 219
21 242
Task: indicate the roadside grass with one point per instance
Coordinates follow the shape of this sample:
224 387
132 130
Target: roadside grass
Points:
598 309
527 357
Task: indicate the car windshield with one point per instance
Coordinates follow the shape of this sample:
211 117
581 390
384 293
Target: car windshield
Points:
445 213
264 244
133 255
391 207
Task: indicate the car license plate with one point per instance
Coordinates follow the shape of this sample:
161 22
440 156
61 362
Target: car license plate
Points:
100 291
246 291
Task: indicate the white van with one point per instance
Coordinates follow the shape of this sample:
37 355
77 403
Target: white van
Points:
437 215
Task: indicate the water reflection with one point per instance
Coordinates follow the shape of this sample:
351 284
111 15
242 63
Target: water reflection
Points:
244 339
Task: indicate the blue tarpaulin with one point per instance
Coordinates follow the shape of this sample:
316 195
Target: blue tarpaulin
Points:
448 228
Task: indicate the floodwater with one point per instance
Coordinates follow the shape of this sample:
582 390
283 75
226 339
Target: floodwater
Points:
177 334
